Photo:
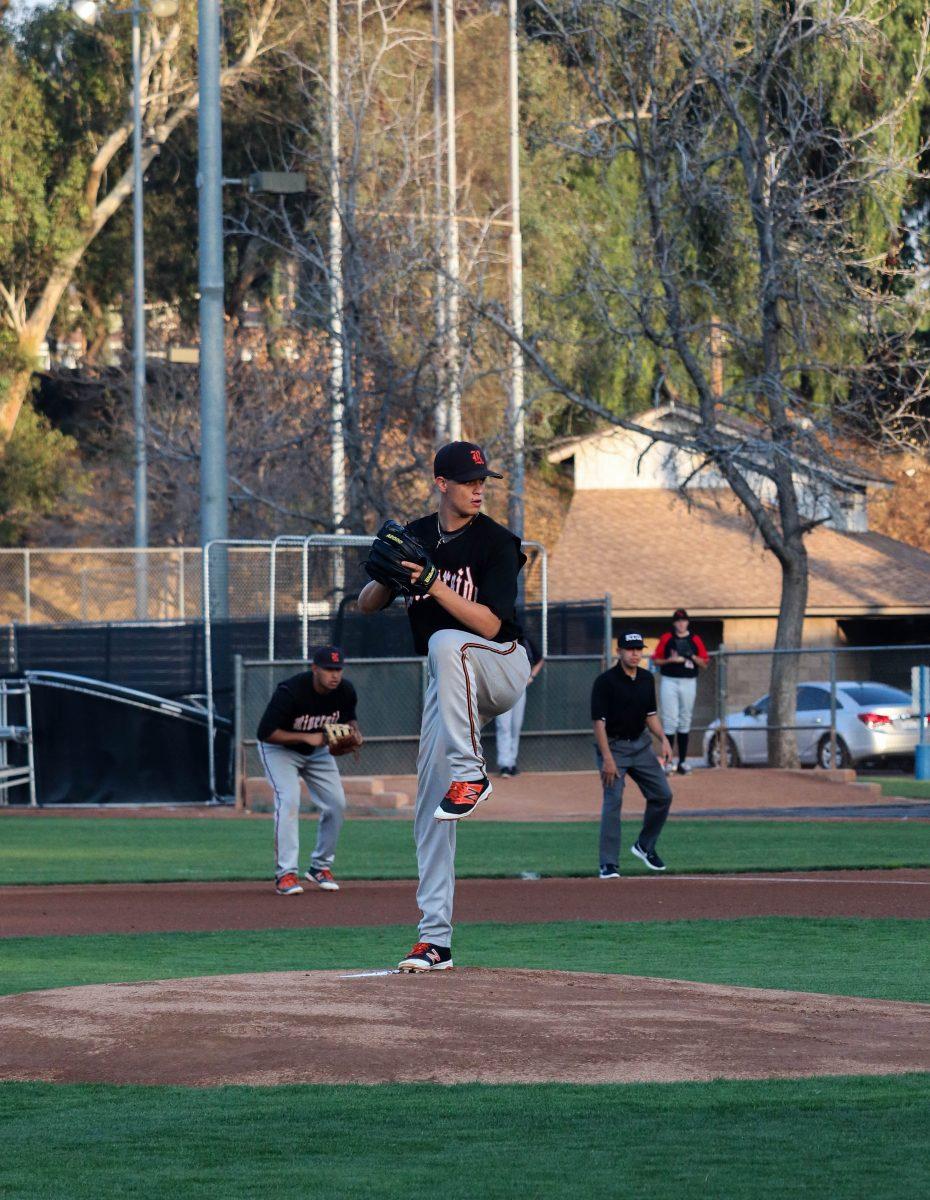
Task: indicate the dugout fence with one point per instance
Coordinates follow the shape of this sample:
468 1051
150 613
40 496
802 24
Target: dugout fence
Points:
556 729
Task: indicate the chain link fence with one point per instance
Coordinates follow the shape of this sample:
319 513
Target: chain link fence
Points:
556 732
99 584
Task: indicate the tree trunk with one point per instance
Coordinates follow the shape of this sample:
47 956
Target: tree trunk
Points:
782 743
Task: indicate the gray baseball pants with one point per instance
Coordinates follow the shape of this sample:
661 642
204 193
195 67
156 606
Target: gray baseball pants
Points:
507 729
470 680
636 759
285 768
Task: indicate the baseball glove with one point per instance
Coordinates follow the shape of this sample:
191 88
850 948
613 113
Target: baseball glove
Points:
392 546
340 739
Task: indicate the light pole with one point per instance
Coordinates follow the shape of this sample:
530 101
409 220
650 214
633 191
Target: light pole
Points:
214 483
88 11
517 403
453 347
336 297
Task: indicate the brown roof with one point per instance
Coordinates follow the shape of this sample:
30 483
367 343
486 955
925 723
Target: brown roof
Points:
651 551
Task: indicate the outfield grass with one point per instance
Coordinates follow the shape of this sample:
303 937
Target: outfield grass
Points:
841 1138
905 786
70 850
837 955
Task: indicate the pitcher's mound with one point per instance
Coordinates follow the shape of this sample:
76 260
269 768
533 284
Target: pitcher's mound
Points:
448 1027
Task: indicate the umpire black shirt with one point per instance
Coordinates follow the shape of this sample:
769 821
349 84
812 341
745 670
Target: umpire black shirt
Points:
623 702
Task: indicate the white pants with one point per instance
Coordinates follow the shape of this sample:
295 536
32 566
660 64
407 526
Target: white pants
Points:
285 768
507 731
470 681
676 704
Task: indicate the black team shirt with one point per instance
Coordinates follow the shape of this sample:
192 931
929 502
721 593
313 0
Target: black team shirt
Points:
623 703
297 707
481 563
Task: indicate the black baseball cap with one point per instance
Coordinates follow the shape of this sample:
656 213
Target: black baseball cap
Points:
462 462
631 640
329 656
680 615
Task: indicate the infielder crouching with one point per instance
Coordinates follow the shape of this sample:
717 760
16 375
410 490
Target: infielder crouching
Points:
293 746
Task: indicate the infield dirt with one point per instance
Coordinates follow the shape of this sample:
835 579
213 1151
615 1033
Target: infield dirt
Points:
161 907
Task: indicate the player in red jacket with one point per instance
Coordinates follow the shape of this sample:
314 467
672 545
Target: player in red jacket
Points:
680 657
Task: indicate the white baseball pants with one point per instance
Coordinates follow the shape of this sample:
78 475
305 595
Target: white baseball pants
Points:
285 768
676 704
470 680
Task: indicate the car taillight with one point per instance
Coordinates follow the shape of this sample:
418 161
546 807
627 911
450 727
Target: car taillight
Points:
874 720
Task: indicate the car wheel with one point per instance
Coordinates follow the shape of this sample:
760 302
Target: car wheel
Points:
843 758
713 752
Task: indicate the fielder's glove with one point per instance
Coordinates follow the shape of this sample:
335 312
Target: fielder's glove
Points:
392 546
341 739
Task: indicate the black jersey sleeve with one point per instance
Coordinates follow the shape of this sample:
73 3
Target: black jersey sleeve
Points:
498 587
652 706
280 713
599 699
351 701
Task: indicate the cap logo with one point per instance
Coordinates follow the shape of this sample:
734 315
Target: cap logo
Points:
478 458
334 657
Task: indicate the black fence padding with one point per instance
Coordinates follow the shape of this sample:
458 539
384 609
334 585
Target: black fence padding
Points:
92 747
163 658
167 658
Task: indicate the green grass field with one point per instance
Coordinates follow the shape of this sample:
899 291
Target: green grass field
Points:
900 785
69 850
837 955
840 1139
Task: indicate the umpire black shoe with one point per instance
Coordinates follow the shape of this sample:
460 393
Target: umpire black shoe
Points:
462 798
426 957
608 871
649 857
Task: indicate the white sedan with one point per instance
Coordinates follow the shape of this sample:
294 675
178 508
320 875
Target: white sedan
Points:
873 720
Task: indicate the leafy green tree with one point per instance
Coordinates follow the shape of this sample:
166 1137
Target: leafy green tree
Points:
749 164
40 471
66 166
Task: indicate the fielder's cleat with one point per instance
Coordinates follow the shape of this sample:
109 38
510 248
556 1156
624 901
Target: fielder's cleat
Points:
323 878
608 871
462 799
684 768
288 885
426 957
649 857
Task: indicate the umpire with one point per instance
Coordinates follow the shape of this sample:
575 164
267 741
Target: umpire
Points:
623 711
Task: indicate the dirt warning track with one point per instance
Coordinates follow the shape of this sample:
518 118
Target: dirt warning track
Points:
164 907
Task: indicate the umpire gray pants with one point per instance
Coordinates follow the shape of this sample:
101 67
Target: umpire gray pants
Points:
636 759
285 768
470 680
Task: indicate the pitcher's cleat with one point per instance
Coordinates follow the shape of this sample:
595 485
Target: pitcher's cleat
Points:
288 885
426 957
462 799
323 878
